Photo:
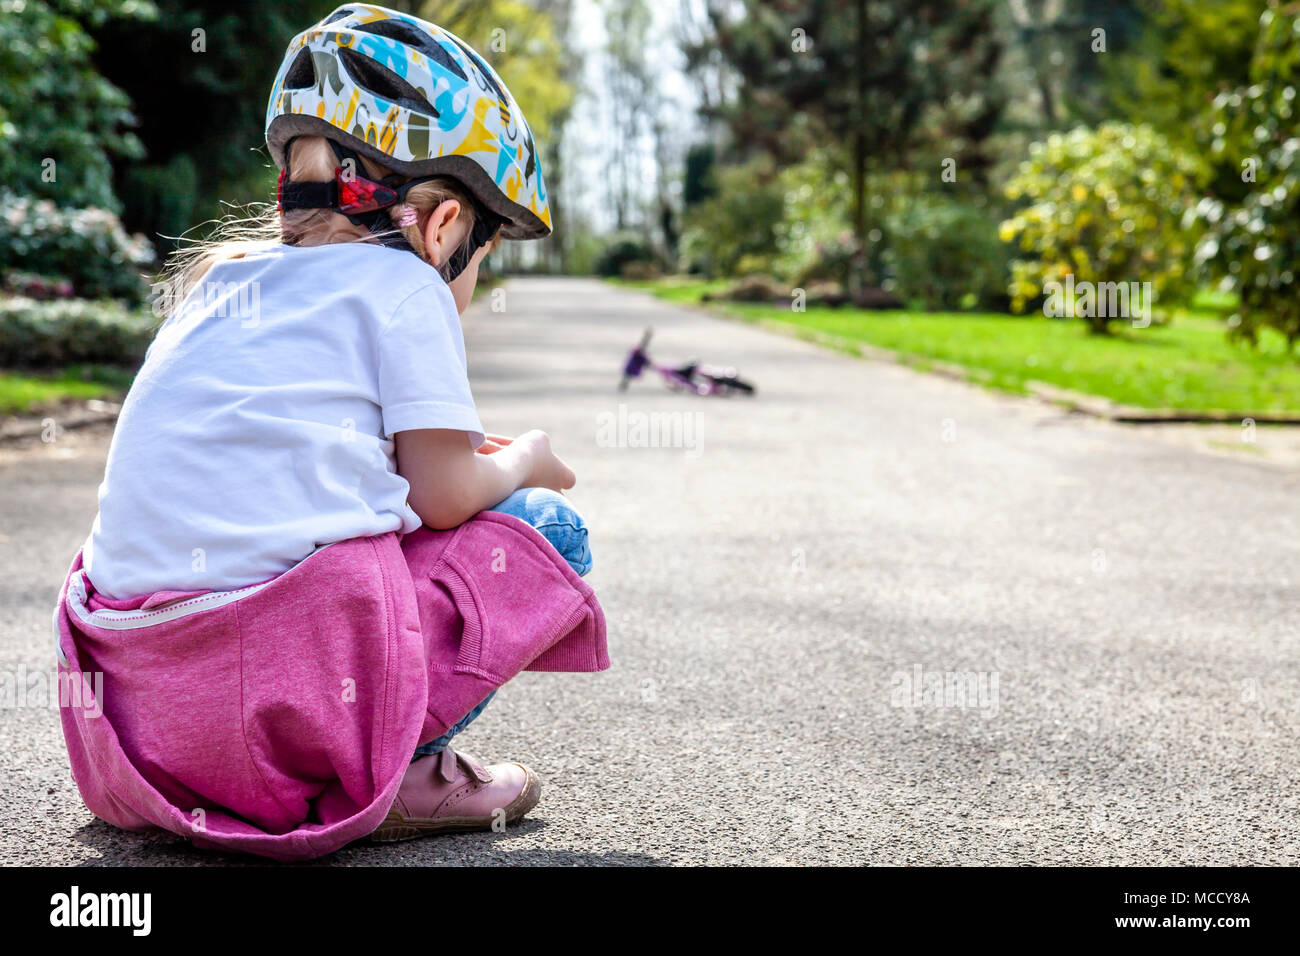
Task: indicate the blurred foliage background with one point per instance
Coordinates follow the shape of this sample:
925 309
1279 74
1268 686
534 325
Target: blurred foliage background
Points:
951 155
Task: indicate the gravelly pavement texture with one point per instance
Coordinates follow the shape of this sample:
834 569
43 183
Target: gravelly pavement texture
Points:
1115 620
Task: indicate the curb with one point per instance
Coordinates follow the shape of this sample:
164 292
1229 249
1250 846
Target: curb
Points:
1100 407
92 412
1081 402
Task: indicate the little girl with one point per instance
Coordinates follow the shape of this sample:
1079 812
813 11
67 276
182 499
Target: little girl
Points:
311 567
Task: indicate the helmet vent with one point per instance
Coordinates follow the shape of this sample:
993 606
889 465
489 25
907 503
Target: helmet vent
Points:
384 83
412 36
482 68
336 15
302 74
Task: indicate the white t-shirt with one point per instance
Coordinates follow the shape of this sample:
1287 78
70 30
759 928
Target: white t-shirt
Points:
259 428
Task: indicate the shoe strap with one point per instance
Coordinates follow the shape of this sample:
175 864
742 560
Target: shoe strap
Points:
449 762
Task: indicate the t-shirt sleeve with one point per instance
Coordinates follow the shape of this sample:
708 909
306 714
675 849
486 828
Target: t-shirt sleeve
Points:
423 380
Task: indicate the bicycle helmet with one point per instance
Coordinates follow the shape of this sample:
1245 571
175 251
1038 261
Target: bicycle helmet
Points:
418 100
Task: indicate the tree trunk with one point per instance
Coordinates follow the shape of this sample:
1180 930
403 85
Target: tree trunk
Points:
857 272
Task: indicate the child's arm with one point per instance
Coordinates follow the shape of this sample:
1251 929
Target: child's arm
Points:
450 482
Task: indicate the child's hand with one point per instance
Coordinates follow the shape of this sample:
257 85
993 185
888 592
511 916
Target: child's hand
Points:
545 470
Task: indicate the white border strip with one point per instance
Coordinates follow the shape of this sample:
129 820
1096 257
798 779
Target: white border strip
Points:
129 620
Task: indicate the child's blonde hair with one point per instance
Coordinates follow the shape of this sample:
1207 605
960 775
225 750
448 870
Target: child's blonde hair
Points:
311 160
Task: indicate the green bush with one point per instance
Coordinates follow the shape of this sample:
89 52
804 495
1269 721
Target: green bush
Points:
620 250
88 247
831 260
741 223
1253 245
817 238
51 334
1105 205
947 253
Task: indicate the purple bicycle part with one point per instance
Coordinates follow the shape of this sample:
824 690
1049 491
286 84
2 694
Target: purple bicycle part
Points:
690 377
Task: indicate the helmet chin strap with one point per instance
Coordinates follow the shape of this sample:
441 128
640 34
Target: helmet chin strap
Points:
364 201
486 225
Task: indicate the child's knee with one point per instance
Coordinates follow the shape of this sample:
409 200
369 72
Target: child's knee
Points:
556 520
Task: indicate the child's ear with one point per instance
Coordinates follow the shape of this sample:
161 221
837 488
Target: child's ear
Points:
440 233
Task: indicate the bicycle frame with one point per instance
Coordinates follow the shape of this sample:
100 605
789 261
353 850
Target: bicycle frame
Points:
710 381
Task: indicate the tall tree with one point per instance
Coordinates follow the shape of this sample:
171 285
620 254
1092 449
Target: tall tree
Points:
62 122
1189 54
632 102
1062 48
198 75
872 81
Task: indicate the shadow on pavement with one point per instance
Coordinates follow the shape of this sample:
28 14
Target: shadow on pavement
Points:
114 847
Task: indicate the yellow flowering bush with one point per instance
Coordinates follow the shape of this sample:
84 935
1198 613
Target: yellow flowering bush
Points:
1105 205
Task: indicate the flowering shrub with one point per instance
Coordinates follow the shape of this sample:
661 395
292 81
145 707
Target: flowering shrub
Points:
1109 205
39 287
87 247
50 334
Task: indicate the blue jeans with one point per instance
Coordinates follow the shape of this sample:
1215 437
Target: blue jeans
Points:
550 513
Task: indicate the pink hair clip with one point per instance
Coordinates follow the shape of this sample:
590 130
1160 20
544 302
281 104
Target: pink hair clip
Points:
409 217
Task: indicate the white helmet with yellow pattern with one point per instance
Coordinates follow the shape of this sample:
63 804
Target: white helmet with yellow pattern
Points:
416 99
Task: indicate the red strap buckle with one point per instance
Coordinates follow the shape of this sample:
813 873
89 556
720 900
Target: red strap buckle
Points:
358 194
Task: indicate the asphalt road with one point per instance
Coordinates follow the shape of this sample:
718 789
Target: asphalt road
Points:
1113 622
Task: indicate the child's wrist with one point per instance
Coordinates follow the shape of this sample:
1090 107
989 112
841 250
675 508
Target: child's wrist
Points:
523 465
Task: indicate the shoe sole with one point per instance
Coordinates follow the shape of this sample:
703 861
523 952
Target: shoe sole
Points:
397 827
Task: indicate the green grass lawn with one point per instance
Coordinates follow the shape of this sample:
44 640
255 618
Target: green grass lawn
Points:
1188 364
26 392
